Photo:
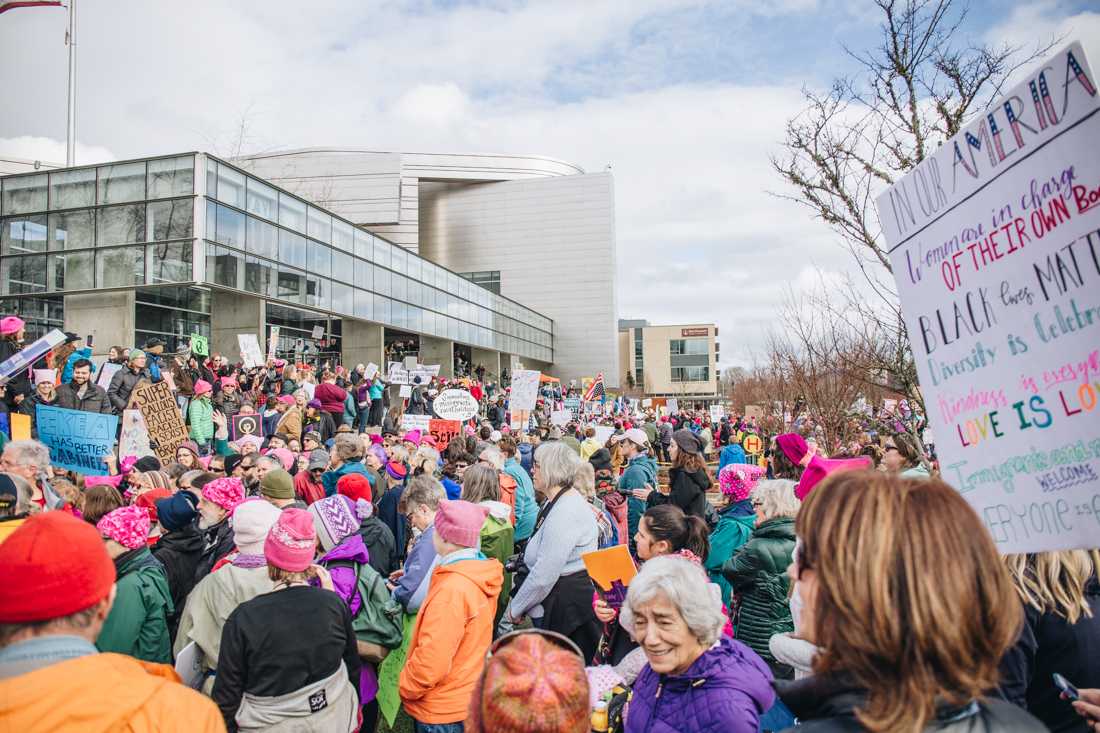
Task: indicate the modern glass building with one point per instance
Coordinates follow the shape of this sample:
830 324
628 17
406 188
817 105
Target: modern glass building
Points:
185 244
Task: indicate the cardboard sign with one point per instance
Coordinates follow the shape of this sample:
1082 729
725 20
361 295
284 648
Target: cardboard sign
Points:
162 417
134 438
454 404
755 411
318 333
716 413
200 346
396 373
251 355
444 431
423 373
994 246
241 425
78 440
647 402
20 426
752 444
573 404
107 372
272 342
415 422
604 433
410 362
525 389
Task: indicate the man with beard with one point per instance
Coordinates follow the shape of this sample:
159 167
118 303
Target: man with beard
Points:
179 548
81 394
219 498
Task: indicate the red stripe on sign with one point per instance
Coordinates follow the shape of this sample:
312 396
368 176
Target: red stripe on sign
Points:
28 4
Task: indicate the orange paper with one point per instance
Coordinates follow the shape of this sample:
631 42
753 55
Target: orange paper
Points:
608 565
20 426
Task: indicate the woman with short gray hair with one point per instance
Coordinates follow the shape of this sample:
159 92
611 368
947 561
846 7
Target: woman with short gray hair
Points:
705 681
552 586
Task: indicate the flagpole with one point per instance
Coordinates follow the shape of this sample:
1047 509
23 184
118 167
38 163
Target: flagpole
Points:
70 133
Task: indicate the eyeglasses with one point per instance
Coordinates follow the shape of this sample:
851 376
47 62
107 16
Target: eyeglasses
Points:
889 447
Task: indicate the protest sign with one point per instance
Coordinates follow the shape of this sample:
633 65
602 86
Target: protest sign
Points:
647 402
250 350
754 411
752 444
573 404
611 569
272 342
106 374
410 362
30 353
716 413
560 418
994 246
423 374
241 425
134 438
372 369
673 406
525 389
77 440
318 333
20 426
415 422
444 431
200 346
162 418
396 373
5 426
406 391
454 404
603 433
189 666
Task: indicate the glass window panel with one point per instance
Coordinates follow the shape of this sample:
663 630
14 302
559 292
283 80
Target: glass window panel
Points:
292 249
414 322
318 292
224 267
341 235
170 263
73 271
342 298
320 225
72 229
292 212
24 193
260 277
263 238
427 273
364 275
363 245
171 177
412 267
320 259
211 178
120 225
231 187
427 322
399 314
211 220
23 234
263 200
118 268
291 286
170 219
23 274
397 260
364 305
452 329
231 227
414 292
342 267
381 252
381 309
71 189
122 182
381 281
397 288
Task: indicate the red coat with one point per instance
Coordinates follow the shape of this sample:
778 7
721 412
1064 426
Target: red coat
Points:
332 397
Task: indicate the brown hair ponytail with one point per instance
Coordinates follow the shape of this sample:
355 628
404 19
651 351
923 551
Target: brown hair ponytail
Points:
668 522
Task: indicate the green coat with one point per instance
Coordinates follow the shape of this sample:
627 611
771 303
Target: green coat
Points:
498 542
733 530
201 414
138 622
759 573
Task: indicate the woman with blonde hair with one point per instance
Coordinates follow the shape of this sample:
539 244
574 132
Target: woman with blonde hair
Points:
909 605
1061 633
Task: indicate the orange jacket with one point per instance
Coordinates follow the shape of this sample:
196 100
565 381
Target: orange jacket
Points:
508 493
452 634
102 693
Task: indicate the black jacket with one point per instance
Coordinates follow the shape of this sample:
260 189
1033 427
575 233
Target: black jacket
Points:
217 543
1049 644
179 552
20 382
827 704
123 383
381 548
94 400
686 490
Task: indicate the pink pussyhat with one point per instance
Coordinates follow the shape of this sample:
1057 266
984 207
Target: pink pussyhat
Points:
459 522
10 325
292 541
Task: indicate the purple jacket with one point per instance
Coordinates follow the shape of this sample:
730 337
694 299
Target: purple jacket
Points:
726 689
346 584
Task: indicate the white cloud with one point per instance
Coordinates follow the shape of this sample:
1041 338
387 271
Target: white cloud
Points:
1034 23
51 151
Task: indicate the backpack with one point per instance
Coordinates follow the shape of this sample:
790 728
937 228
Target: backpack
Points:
378 620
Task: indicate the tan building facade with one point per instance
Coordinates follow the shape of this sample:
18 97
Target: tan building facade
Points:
670 361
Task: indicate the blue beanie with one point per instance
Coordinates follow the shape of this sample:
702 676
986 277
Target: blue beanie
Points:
177 511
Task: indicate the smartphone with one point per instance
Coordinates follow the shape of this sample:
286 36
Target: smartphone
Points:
1066 687
89 339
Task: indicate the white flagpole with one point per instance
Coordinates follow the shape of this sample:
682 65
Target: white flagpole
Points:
70 136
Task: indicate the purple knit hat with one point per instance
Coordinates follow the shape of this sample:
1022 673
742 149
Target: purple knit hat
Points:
460 522
292 541
334 519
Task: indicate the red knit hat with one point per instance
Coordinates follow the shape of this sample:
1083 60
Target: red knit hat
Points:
531 685
54 565
355 486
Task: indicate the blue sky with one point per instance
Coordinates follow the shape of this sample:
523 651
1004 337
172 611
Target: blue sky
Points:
685 99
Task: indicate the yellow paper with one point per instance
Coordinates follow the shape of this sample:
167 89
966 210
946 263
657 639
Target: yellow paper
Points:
20 426
608 565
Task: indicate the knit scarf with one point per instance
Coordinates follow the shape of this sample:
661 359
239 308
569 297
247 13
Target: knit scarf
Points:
248 562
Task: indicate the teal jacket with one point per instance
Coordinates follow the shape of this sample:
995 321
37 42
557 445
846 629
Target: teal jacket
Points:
329 479
351 409
201 415
735 525
527 508
138 622
640 471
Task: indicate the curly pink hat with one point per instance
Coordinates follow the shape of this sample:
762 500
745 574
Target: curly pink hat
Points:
225 492
737 480
127 525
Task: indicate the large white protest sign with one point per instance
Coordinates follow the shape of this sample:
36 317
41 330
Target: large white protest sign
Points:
995 245
525 389
455 404
134 439
372 369
561 418
396 373
415 422
251 355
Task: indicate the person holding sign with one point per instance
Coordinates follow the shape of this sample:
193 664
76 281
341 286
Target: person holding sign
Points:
126 379
12 334
44 394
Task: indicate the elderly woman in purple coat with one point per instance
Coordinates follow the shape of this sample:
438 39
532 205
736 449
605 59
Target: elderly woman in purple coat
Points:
697 679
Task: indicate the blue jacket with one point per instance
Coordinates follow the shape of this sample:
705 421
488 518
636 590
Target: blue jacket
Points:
329 478
417 568
67 372
453 488
527 508
526 457
732 453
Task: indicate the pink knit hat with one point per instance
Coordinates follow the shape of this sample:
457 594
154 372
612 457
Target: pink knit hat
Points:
284 455
225 492
818 468
292 541
11 325
286 399
413 436
793 446
459 522
203 387
127 525
228 382
739 479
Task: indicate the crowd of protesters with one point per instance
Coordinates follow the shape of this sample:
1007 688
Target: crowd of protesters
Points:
341 572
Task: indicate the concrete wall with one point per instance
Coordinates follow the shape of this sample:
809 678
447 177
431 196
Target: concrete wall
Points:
553 241
489 359
362 343
231 314
108 317
438 351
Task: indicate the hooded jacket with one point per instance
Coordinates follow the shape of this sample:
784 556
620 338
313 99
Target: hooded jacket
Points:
453 631
123 383
200 413
329 479
105 692
341 562
726 689
527 508
508 488
138 622
640 471
498 543
735 525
